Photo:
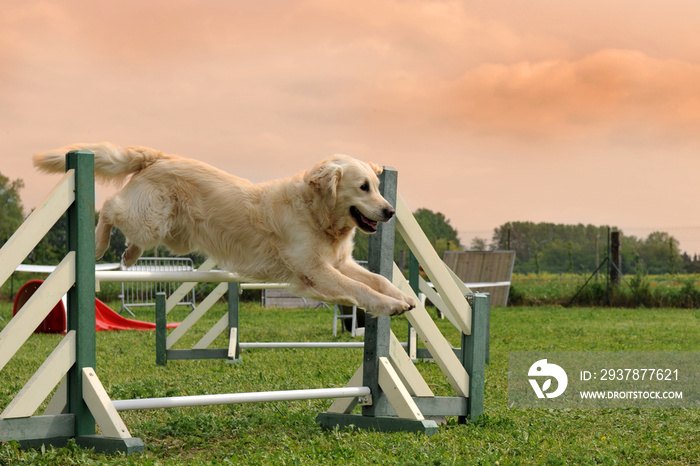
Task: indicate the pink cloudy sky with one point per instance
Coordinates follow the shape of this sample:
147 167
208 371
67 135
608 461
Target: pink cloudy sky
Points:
577 111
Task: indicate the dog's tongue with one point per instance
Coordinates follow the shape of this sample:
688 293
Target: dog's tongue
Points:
369 222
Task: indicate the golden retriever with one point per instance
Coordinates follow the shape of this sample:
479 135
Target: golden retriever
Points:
297 230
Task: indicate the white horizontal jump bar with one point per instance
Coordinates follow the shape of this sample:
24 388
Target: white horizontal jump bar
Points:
232 398
480 284
305 344
211 276
486 284
264 286
165 276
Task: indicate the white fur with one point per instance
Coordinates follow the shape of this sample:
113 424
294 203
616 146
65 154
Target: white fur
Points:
297 230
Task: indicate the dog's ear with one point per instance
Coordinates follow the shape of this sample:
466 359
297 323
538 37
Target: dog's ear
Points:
324 179
378 169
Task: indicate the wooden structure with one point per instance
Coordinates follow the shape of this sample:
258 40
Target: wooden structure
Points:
485 271
80 401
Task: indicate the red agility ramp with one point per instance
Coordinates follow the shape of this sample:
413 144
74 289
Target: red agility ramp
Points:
55 322
107 319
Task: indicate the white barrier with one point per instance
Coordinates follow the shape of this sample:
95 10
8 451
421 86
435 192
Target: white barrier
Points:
213 276
307 344
304 344
233 398
167 276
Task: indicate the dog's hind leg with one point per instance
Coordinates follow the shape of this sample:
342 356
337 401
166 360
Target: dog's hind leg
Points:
103 232
131 255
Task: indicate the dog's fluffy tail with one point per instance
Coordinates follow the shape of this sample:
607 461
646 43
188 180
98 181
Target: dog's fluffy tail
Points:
112 163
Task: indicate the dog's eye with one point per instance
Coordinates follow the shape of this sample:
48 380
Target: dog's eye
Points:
365 186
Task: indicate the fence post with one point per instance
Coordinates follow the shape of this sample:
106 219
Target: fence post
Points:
377 412
161 330
474 353
616 258
378 329
81 297
234 305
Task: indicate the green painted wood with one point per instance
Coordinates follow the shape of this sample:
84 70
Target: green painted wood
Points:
208 353
424 353
488 334
37 427
442 405
378 423
377 329
234 297
104 445
439 406
37 443
81 298
110 445
474 352
413 272
161 330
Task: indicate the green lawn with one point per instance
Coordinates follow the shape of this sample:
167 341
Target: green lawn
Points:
285 432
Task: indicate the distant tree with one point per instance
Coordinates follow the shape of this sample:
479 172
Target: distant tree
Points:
52 247
11 211
478 244
658 253
550 247
580 248
690 264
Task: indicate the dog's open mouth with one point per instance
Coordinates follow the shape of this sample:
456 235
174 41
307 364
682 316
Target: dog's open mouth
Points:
362 222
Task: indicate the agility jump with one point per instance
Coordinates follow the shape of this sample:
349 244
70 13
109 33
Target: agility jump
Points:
392 393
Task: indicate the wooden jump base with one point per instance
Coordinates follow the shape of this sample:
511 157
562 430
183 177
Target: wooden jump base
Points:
391 391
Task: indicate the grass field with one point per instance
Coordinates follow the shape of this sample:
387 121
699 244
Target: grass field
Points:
285 433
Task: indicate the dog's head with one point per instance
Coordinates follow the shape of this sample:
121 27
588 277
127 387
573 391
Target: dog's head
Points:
349 189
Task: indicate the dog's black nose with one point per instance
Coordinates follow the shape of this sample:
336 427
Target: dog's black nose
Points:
389 212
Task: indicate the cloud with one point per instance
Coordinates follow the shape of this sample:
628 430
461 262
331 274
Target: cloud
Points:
445 91
607 91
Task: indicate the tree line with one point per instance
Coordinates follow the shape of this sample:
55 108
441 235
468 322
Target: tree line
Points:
559 248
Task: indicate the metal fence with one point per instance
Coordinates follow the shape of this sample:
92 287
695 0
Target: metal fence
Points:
144 294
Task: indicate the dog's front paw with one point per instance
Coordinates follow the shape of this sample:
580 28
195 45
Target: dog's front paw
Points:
392 307
410 300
